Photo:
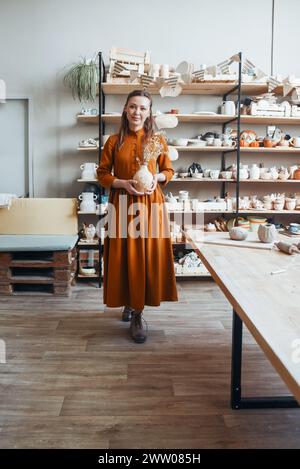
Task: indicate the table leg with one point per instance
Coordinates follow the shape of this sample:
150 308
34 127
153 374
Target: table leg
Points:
237 402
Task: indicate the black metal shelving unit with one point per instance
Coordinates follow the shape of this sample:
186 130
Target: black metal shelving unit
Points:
101 130
236 149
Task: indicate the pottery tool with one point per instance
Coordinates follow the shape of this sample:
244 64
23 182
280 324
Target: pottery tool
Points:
288 248
280 271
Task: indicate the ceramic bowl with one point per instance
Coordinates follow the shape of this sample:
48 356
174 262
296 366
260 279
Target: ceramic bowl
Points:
88 270
180 142
198 175
197 142
183 175
226 174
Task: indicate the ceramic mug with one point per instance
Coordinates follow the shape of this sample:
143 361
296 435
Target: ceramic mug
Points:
183 195
228 108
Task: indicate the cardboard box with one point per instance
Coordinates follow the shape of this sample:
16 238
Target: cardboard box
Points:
40 216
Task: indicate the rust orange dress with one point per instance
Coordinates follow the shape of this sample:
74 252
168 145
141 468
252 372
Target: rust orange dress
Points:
138 271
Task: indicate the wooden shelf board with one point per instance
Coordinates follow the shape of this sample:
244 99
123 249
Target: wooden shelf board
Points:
270 150
277 181
215 118
189 179
87 180
88 149
205 211
216 89
206 149
269 120
115 118
291 212
87 213
95 243
193 275
88 276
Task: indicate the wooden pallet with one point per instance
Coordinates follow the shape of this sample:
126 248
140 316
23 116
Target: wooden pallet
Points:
34 272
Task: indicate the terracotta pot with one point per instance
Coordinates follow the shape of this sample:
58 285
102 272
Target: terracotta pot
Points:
254 144
296 174
268 143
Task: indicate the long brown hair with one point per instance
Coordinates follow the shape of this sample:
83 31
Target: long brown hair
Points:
148 124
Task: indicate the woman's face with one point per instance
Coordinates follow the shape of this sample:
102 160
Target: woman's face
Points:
137 111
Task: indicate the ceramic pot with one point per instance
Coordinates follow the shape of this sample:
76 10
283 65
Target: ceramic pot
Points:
290 204
296 174
144 178
238 234
88 170
267 233
255 222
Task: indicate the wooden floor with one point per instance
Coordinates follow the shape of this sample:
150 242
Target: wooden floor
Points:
74 379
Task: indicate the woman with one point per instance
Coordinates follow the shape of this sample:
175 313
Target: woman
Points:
138 270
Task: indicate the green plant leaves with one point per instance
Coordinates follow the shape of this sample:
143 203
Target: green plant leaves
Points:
82 79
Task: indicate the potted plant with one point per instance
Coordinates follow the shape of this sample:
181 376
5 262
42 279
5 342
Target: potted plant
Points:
82 78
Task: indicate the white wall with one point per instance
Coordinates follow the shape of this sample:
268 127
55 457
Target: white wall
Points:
39 38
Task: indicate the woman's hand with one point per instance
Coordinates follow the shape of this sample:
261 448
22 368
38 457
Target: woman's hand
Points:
153 186
129 187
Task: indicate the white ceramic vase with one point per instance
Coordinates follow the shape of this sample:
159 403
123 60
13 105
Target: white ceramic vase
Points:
144 178
267 233
254 171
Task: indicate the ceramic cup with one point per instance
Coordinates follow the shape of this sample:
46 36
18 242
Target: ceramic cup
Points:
214 173
294 228
183 195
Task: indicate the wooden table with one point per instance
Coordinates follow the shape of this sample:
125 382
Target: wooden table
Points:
268 304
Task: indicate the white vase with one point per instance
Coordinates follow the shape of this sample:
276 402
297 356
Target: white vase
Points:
90 232
254 172
144 178
267 233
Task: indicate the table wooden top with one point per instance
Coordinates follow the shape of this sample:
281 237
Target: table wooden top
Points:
268 304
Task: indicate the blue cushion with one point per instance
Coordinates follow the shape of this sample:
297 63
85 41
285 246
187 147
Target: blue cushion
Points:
37 242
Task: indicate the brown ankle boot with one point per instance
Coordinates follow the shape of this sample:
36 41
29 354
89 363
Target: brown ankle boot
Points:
127 313
137 330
